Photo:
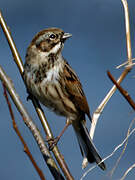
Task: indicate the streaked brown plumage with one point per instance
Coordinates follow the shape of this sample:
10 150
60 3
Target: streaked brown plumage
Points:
55 84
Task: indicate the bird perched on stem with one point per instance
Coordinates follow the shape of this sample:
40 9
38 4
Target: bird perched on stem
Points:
50 79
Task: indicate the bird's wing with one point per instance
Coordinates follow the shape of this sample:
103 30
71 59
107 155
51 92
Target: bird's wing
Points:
74 90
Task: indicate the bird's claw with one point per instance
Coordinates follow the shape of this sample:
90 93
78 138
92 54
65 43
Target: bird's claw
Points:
52 142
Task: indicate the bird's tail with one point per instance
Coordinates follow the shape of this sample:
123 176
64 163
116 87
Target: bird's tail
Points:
87 147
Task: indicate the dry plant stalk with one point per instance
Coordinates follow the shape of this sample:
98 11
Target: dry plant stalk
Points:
129 133
26 149
128 170
101 107
122 91
28 121
127 69
132 104
126 142
18 61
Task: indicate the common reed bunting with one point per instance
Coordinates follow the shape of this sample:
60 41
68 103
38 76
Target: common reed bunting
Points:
50 79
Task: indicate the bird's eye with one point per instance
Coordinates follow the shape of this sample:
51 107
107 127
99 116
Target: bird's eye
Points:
52 36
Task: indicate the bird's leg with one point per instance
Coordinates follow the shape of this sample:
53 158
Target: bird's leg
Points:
53 141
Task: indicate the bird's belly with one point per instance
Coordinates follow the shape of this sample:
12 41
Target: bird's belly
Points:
50 95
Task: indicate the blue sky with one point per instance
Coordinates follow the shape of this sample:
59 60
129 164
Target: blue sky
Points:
98 44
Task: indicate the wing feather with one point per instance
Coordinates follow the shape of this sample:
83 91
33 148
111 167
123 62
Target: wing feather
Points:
74 90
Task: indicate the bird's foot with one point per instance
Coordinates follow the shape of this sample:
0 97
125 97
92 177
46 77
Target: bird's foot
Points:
52 142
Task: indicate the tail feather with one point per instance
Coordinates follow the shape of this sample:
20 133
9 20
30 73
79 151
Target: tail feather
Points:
87 147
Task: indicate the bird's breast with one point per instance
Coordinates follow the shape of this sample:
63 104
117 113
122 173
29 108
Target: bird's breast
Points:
46 87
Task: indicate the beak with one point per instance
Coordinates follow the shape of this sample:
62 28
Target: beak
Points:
66 36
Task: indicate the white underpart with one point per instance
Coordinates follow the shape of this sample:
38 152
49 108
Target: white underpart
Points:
53 74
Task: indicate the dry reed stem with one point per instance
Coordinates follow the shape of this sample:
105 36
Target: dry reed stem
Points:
26 149
129 133
100 108
102 105
18 61
30 124
128 170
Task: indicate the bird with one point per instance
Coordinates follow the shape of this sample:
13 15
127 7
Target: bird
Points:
52 81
